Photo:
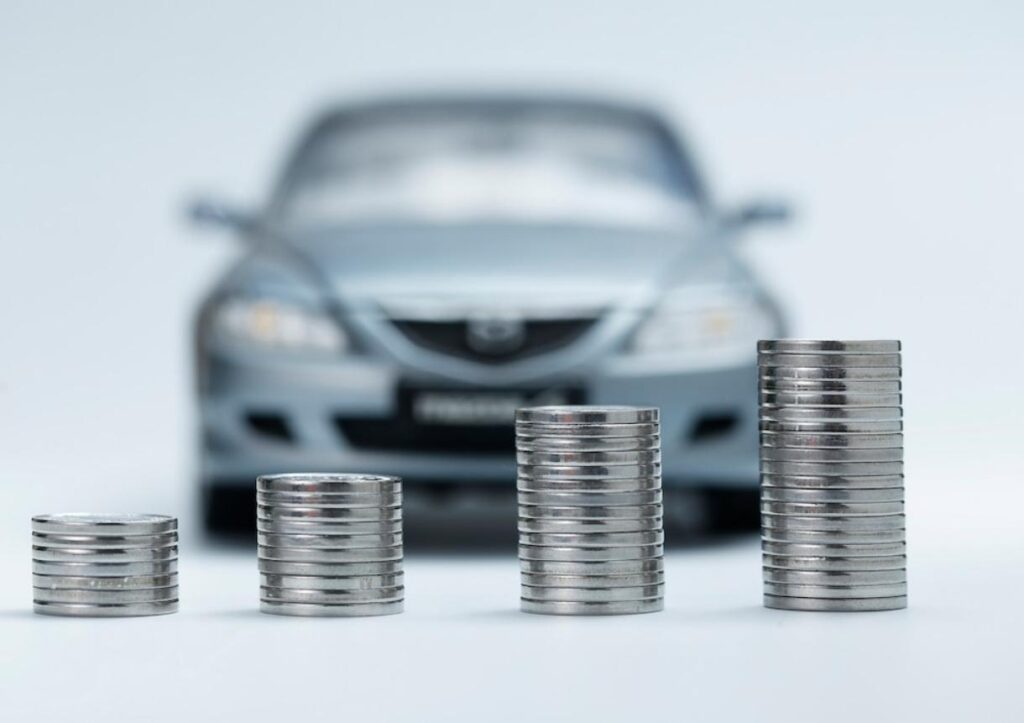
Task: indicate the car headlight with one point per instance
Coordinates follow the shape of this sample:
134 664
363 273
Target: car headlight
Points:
699 320
277 324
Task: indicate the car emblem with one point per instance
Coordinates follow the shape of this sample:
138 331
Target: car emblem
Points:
495 334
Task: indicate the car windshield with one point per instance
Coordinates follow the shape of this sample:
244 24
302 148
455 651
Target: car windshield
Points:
448 167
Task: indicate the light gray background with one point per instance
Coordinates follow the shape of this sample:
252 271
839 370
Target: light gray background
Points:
895 130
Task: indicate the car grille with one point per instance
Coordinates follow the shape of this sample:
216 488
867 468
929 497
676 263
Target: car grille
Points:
538 336
406 435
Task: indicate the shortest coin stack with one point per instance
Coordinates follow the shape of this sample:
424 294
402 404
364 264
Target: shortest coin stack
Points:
104 565
330 544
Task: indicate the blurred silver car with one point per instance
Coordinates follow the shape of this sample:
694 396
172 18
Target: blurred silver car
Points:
426 265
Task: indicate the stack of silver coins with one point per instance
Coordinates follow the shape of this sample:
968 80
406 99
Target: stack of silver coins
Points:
330 544
591 540
104 565
833 522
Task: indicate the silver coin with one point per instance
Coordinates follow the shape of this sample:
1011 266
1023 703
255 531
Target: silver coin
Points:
630 607
831 496
331 611
832 537
331 597
588 581
644 524
831 441
330 541
346 506
105 611
133 582
636 484
549 443
268 512
587 414
802 415
328 527
581 472
69 554
835 426
334 482
91 542
830 509
829 564
592 539
353 514
804 454
353 582
591 594
836 606
105 569
548 512
109 597
828 346
588 459
829 469
834 549
114 523
846 400
832 482
584 432
841 592
828 360
592 569
362 554
589 554
835 577
330 569
876 523
830 386
590 499
831 372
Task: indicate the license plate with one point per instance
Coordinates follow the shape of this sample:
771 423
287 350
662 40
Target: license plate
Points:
477 407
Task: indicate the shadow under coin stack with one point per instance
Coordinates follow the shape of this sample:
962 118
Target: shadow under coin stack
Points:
104 565
330 544
833 523
590 510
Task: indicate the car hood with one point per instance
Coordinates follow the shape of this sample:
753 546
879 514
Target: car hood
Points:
408 269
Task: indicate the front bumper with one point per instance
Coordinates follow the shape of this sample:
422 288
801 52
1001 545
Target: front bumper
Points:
264 416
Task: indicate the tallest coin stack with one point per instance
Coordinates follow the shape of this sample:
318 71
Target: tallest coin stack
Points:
590 510
833 524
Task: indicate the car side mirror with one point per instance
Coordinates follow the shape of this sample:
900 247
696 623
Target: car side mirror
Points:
759 212
208 212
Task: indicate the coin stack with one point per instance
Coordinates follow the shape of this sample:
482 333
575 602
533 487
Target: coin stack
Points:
590 510
833 523
330 544
104 565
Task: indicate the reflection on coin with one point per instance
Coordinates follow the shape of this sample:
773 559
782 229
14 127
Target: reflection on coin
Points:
321 483
831 469
335 569
585 431
534 443
601 581
627 512
864 523
818 509
846 456
88 542
331 597
362 554
831 372
830 386
629 607
835 591
837 399
590 499
117 597
527 524
590 569
328 611
88 523
831 426
104 569
580 414
833 537
593 539
831 441
825 605
105 555
273 512
828 346
864 562
587 594
832 482
104 611
636 484
794 414
584 554
134 582
351 582
831 495
587 459
835 549
588 472
835 577
828 360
